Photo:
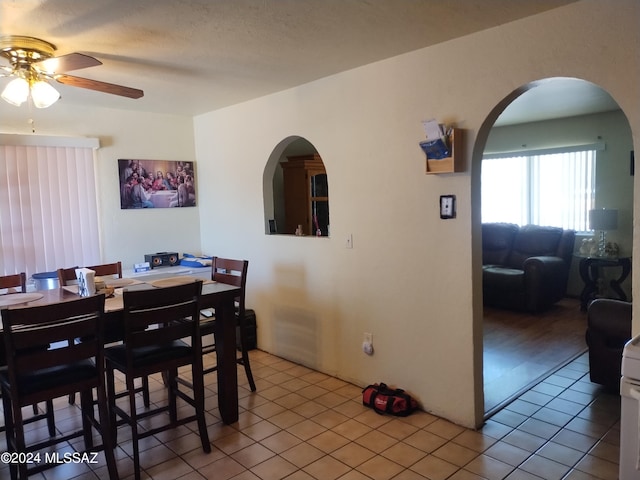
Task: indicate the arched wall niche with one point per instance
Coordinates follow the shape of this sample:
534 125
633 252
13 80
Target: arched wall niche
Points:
479 147
273 183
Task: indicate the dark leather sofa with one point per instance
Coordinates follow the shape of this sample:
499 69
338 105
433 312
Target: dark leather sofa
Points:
608 329
525 268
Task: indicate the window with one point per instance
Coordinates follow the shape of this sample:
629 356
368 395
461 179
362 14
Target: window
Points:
48 208
551 189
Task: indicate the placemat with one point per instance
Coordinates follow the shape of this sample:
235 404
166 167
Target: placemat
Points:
119 282
173 281
15 298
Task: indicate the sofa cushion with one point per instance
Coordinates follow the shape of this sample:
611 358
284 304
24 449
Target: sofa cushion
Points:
497 241
534 241
503 279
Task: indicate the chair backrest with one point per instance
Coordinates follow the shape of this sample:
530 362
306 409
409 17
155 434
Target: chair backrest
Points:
67 276
232 272
16 280
158 316
37 338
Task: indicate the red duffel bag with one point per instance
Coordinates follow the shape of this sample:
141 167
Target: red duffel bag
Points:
388 400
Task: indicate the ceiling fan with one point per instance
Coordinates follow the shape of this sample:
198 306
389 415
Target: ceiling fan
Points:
32 63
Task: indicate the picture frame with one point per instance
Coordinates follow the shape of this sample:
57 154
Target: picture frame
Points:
156 183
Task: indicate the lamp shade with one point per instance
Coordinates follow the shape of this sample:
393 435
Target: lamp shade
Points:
43 94
603 219
16 92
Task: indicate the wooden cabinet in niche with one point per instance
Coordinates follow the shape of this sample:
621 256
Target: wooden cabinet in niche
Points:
306 195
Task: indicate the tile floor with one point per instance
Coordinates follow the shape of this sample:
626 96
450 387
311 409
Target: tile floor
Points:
301 424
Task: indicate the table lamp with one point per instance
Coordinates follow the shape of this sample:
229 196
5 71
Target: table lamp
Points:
603 219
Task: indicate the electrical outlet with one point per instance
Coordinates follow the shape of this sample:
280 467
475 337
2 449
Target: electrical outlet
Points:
349 241
367 344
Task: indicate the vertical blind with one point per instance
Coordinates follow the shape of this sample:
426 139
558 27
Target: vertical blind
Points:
48 210
555 189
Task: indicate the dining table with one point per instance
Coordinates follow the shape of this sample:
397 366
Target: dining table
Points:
215 295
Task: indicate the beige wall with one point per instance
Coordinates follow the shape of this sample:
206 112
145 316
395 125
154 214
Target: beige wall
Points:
409 277
126 234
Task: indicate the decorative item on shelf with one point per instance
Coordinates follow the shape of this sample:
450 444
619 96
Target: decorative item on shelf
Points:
141 267
315 223
611 250
603 220
162 259
588 246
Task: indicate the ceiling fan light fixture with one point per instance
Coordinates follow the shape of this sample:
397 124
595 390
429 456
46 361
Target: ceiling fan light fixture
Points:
43 94
16 92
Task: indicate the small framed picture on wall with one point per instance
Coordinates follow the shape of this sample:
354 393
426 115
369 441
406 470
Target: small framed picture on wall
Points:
156 184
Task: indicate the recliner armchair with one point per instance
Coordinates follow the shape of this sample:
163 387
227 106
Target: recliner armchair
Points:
525 268
608 329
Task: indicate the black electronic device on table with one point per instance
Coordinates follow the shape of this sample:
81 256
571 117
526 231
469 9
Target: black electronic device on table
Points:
162 259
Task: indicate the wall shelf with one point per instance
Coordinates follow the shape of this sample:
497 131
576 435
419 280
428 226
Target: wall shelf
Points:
448 164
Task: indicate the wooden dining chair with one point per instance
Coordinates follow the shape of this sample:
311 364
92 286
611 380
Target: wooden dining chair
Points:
67 276
39 373
13 281
232 272
162 333
10 282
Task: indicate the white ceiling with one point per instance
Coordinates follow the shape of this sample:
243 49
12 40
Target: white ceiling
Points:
557 98
194 56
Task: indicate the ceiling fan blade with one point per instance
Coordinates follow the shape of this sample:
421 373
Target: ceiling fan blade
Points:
65 63
100 86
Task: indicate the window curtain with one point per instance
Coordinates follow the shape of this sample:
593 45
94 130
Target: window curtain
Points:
48 208
556 189
563 189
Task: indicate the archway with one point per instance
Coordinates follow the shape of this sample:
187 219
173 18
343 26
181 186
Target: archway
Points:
617 151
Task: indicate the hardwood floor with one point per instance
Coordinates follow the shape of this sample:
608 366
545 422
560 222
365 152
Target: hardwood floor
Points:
522 348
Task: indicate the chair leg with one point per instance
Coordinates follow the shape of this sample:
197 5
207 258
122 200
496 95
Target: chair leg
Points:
15 424
51 424
244 360
198 403
133 424
145 391
111 405
72 396
86 407
172 386
9 432
247 369
107 437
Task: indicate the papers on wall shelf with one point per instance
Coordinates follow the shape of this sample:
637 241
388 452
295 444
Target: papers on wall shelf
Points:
436 149
432 129
436 146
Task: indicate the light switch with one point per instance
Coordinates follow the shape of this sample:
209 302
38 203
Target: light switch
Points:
447 206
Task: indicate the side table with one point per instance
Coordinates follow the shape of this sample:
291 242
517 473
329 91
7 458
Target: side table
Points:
590 273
